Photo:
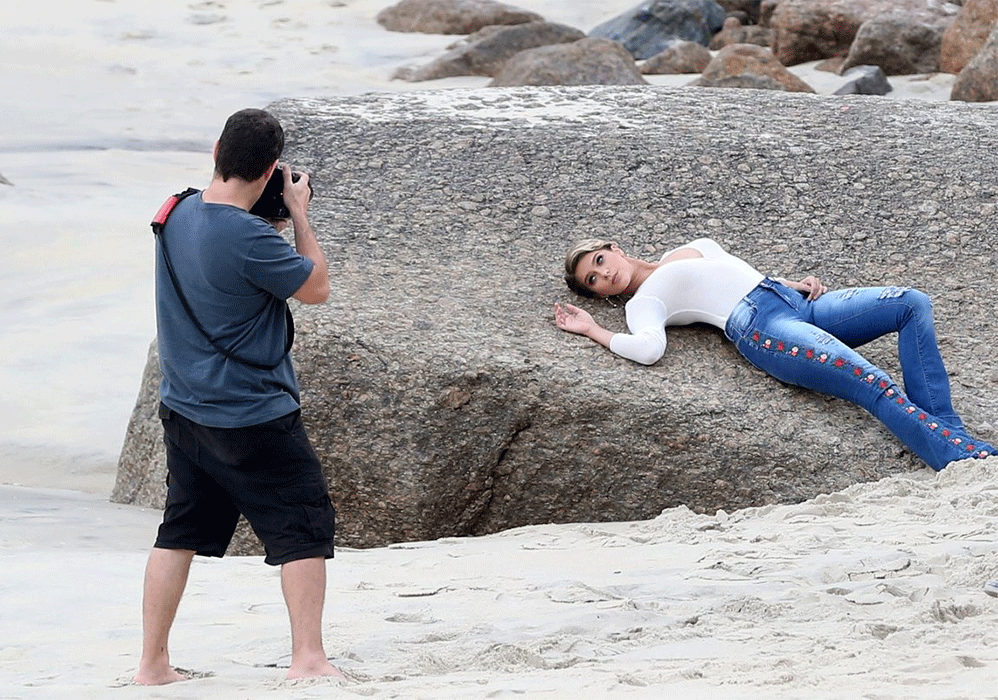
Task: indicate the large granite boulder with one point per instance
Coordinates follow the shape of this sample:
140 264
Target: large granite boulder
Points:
648 28
451 16
967 34
810 30
442 399
978 81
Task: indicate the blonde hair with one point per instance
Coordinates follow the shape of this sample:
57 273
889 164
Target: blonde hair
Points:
572 259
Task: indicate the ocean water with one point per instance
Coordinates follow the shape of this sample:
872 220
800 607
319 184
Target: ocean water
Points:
106 107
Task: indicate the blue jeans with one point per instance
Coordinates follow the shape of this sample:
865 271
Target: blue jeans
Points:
810 344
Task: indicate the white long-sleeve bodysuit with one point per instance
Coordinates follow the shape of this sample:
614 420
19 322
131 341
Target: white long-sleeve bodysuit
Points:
690 290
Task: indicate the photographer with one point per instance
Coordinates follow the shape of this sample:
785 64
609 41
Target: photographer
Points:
229 396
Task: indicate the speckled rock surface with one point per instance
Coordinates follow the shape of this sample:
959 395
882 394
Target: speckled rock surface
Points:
436 388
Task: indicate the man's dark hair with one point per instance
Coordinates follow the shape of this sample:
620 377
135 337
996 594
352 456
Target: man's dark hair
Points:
251 141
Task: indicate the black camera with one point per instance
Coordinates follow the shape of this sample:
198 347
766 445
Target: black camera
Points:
271 202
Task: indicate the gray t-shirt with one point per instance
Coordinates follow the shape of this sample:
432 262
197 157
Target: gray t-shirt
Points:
236 272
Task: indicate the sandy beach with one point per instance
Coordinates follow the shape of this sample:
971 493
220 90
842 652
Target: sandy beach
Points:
109 105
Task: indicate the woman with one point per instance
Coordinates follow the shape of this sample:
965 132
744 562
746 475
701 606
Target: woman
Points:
798 332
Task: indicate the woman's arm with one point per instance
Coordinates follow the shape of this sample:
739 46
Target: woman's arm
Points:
810 286
645 345
575 320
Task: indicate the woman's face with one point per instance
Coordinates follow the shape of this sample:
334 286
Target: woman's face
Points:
605 271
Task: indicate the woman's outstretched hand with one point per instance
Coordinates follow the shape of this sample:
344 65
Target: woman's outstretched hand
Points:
573 319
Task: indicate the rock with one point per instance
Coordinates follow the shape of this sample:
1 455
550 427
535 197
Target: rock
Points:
748 8
766 10
443 401
901 43
831 65
450 16
680 57
485 51
647 29
810 30
978 81
865 80
584 62
734 32
967 34
749 66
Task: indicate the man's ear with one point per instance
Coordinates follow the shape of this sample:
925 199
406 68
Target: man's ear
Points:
270 170
214 153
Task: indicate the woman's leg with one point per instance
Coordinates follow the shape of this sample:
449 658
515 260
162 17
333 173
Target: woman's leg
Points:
857 316
780 342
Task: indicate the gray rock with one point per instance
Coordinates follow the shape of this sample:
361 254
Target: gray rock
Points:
865 80
440 396
901 43
485 51
450 16
647 29
584 62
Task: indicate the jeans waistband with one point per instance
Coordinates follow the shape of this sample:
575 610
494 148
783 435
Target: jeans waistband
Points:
761 292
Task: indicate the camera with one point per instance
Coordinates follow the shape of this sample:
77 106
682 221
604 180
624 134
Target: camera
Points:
271 202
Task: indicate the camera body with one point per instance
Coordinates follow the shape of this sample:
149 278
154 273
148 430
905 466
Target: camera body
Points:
271 202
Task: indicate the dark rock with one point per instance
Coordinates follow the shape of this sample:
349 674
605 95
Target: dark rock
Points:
647 29
681 57
865 80
810 30
749 66
901 43
967 34
450 16
748 8
734 32
440 396
978 81
584 62
485 51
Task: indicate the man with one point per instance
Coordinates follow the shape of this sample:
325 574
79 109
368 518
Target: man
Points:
229 396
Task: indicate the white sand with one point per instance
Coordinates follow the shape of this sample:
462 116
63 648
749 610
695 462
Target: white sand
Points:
873 592
108 105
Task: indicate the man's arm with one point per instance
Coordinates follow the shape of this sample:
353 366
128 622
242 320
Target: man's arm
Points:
315 289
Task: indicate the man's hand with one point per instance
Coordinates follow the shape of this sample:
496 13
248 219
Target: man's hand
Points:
297 195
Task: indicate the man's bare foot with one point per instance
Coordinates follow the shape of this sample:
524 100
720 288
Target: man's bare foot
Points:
315 668
159 676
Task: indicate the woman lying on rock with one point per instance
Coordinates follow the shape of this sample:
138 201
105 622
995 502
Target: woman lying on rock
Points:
798 332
